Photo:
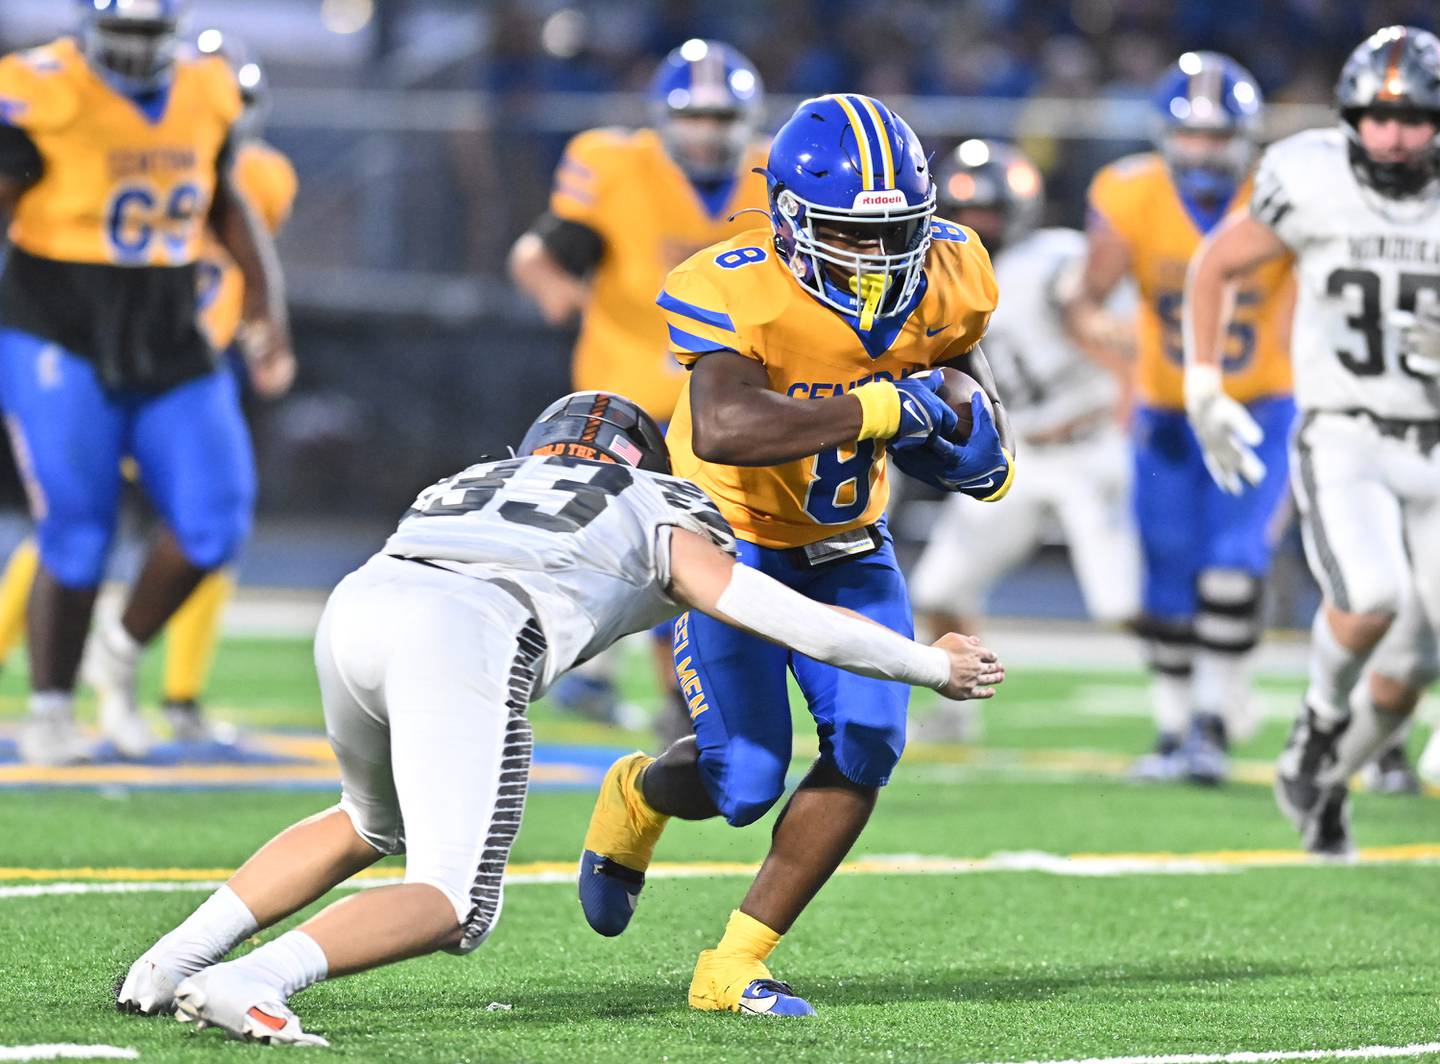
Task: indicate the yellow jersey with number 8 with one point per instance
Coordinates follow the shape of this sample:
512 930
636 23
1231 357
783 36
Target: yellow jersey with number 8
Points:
1137 199
738 296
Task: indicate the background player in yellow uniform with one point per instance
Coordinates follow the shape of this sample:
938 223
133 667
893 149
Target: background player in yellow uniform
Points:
809 343
1205 552
628 206
266 180
114 155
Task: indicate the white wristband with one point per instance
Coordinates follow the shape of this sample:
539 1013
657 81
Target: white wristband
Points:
768 608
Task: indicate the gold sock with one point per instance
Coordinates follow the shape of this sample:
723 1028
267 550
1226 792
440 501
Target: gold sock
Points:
747 937
15 594
191 635
644 814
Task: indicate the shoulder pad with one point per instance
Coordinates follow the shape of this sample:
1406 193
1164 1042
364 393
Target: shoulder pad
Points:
37 91
217 81
742 276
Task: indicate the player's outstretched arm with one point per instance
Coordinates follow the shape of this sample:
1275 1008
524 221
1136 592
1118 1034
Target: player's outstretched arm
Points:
265 323
1227 433
705 578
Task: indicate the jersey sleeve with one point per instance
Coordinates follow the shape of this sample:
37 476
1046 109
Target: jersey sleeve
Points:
664 504
1273 200
577 194
268 182
698 316
1112 201
35 95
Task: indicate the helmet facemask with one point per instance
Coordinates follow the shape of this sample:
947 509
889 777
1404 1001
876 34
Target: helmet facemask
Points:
865 262
140 53
707 145
1401 178
1208 167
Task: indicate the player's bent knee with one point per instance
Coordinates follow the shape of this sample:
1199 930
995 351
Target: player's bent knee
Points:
866 754
752 799
73 552
213 543
380 833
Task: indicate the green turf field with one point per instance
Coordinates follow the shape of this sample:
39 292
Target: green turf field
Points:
966 963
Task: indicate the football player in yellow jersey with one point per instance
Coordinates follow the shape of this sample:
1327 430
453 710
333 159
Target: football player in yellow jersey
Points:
114 155
266 181
1205 552
627 207
809 343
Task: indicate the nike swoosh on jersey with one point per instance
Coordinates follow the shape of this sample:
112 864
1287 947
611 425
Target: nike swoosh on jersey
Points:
934 332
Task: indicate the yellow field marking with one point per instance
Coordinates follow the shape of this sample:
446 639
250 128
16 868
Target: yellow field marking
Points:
905 864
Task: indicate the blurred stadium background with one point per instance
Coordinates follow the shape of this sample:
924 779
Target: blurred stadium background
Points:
425 133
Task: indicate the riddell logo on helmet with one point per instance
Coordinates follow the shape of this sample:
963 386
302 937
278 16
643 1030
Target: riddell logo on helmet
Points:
878 200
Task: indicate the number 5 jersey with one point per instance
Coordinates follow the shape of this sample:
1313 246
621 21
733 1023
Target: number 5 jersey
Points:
737 296
1365 264
110 221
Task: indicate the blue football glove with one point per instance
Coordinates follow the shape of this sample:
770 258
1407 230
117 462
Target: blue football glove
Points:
980 467
922 412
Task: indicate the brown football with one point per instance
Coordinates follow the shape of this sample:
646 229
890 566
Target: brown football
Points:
956 391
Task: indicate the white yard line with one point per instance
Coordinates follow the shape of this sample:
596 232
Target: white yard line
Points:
66 1051
132 881
1420 1049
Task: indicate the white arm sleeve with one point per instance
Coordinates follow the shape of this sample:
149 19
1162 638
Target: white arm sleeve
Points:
770 609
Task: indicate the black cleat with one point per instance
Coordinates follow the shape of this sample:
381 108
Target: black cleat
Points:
1391 773
1327 833
1309 752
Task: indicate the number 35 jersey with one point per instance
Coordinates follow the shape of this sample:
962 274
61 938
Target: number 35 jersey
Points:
106 236
588 543
737 296
1365 265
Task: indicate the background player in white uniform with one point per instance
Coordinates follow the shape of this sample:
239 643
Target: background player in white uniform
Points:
1062 406
498 580
1358 208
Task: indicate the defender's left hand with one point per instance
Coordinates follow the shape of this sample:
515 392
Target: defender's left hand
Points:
1419 340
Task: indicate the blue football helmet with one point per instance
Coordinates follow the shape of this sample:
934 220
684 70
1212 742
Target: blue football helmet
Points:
250 75
851 198
1208 92
713 83
134 42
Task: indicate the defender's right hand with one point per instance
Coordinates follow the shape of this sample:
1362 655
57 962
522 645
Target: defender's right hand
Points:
974 670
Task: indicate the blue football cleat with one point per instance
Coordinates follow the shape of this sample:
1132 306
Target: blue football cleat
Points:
609 893
770 997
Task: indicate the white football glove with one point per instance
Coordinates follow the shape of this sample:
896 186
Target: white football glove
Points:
1419 340
1227 433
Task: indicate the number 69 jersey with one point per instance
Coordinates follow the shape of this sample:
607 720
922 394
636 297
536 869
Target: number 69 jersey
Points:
737 296
1365 263
588 543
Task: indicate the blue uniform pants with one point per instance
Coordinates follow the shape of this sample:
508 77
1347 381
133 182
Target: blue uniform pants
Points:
1187 524
735 684
70 434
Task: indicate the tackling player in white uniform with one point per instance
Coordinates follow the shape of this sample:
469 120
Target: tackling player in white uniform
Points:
1358 209
497 580
1062 405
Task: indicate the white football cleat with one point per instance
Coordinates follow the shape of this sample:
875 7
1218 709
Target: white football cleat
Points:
115 677
53 738
245 1007
148 989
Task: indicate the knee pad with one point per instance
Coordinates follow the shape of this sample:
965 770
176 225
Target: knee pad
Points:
751 798
866 754
1228 619
73 549
1169 645
214 538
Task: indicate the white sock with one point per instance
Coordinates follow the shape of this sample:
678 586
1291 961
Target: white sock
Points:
1371 731
1220 686
1334 671
1170 701
221 923
289 964
52 704
124 646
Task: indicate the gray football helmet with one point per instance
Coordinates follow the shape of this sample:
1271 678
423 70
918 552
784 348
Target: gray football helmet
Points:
1396 69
